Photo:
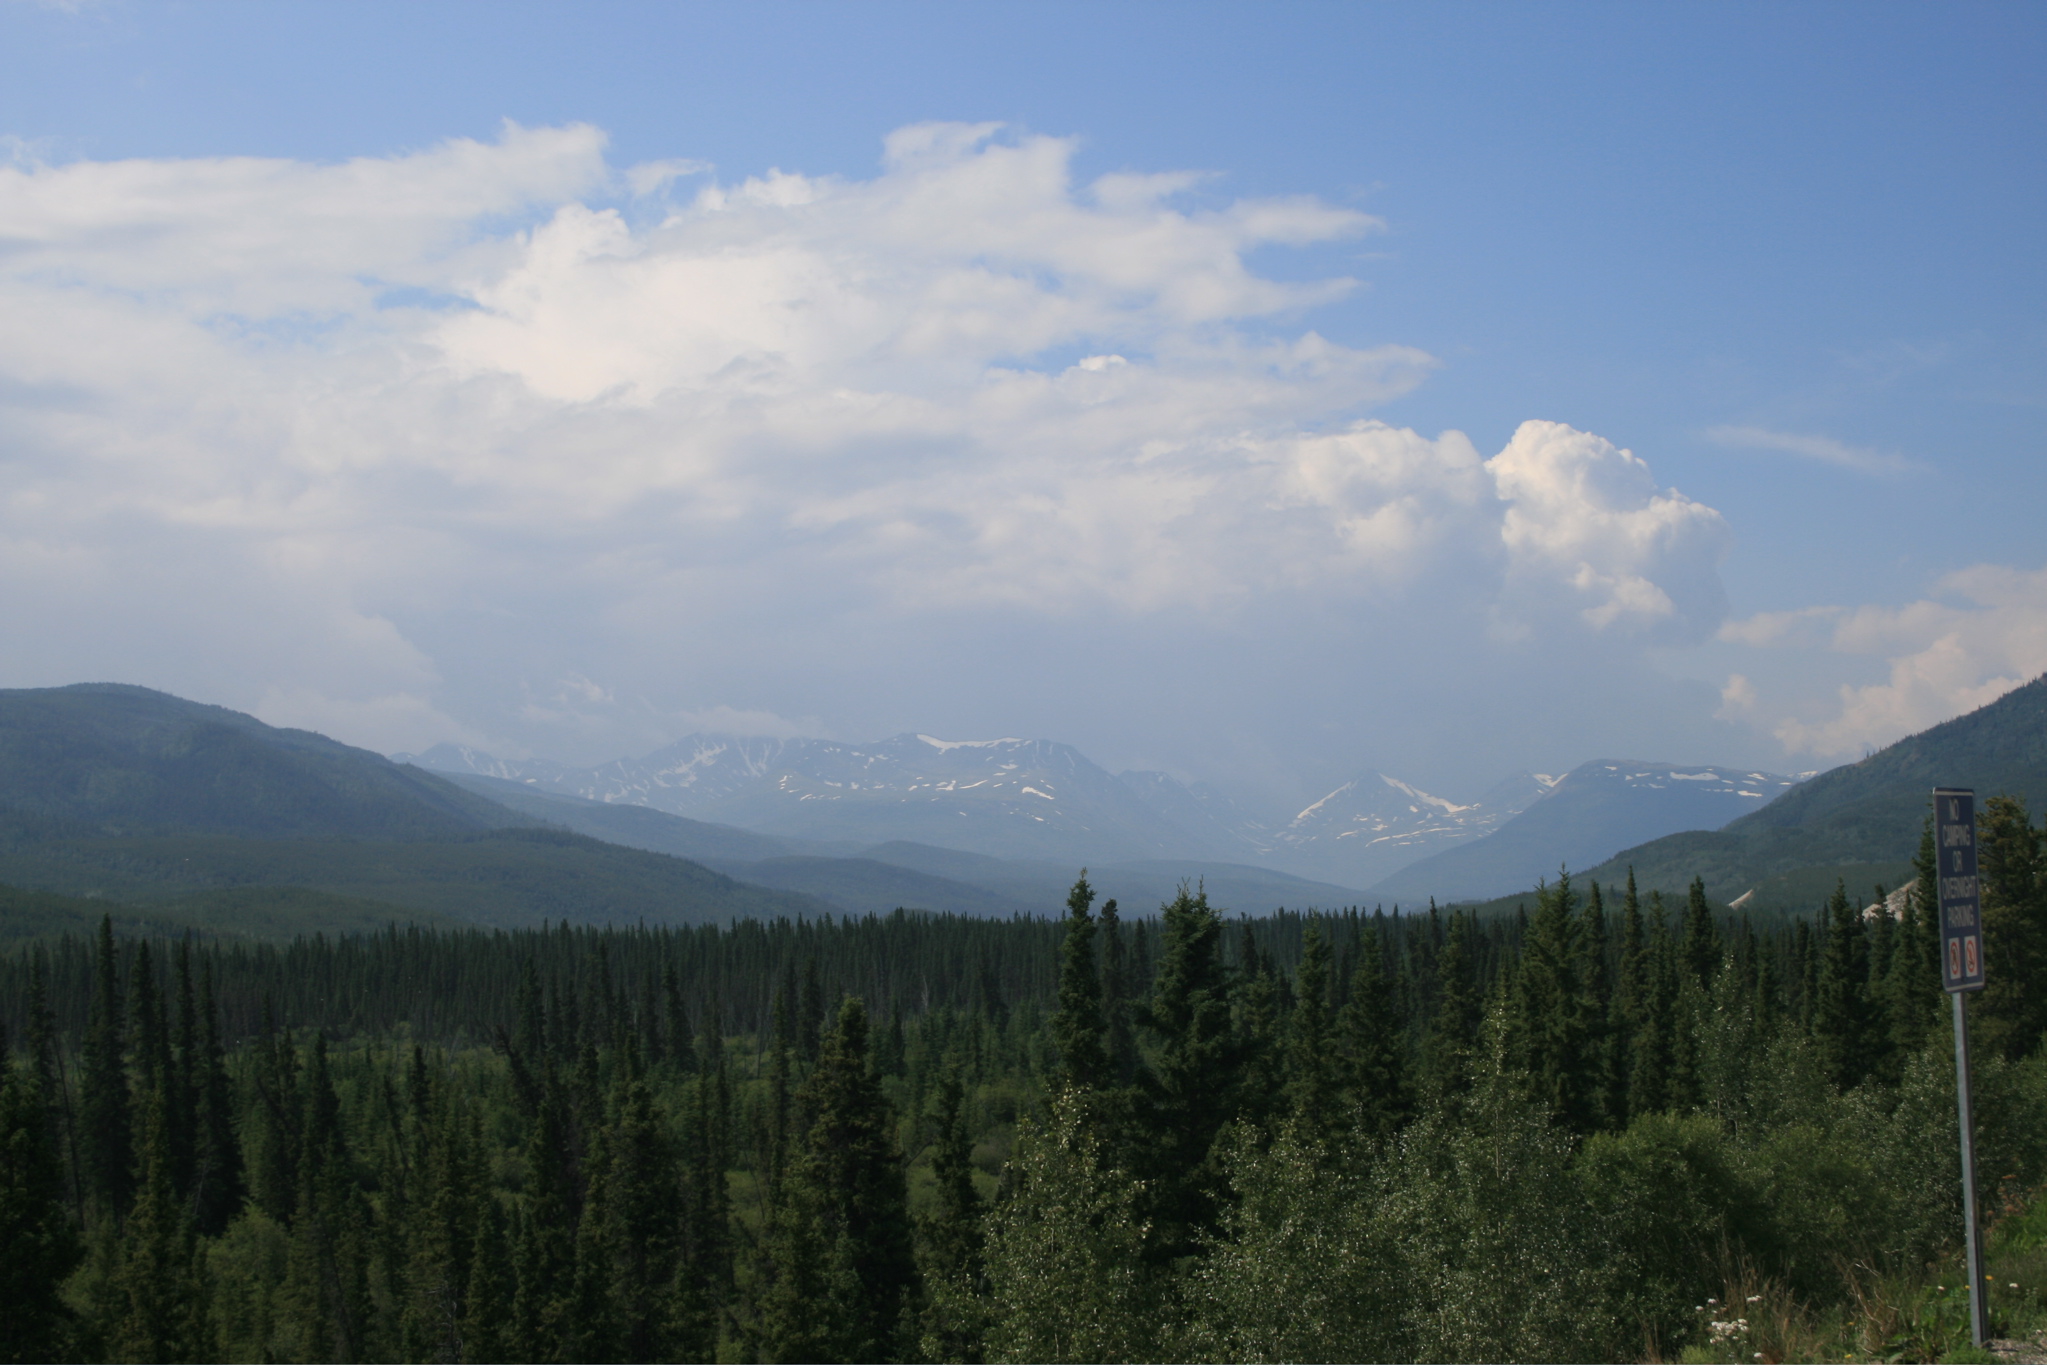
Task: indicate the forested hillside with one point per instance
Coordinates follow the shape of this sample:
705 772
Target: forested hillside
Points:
1863 815
1551 1135
136 796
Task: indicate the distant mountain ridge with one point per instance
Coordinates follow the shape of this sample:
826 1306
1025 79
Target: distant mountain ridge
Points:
1039 801
1376 824
1586 816
1004 798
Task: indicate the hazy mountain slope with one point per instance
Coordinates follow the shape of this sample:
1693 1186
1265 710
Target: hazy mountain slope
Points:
1592 811
128 794
637 826
1376 824
1866 814
861 886
104 758
1217 825
1012 798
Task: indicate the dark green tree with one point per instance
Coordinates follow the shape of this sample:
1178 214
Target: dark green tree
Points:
1314 1074
2012 1013
105 1121
39 1247
218 1186
1077 1025
1119 1039
1843 1024
1702 946
1553 1009
1453 1029
844 1269
1189 1091
161 1280
1373 1047
952 1239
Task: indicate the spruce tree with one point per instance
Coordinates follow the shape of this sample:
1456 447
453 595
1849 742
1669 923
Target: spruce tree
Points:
845 1275
1841 1008
543 1261
1313 1079
1189 1091
1373 1048
1650 1066
1913 996
1077 1026
1119 1039
1453 1029
1553 1015
39 1247
2013 862
1605 1085
1630 1009
105 1119
1701 935
218 1185
487 1322
951 1238
1256 1013
161 1282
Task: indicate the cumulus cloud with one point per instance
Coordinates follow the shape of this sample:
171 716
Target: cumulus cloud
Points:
1982 633
489 438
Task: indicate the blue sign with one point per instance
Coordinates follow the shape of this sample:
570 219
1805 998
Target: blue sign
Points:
1961 896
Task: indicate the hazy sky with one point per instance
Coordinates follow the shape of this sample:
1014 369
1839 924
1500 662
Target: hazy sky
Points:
1257 391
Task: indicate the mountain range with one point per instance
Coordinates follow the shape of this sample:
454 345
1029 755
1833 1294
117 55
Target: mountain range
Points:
1581 819
185 813
1040 802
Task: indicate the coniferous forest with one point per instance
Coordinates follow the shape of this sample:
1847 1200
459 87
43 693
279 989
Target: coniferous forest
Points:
1608 1126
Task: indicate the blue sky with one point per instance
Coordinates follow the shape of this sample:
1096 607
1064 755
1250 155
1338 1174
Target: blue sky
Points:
1787 255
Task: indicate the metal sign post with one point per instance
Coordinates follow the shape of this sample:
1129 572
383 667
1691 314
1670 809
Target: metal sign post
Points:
1961 971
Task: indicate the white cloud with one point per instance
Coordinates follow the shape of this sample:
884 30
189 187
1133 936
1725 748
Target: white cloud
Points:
1983 633
435 439
1824 449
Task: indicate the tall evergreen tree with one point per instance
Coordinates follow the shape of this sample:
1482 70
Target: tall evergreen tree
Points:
845 1276
38 1246
1605 1082
217 1171
2013 863
1652 1060
952 1238
544 1255
1077 1026
1374 1050
1314 1078
1913 995
1119 1039
161 1280
1629 1012
1255 1008
628 1245
1552 1005
1190 1089
1842 1024
1702 947
105 1120
486 1326
1453 1029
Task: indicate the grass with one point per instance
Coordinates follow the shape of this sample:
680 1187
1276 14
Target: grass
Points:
1921 1314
